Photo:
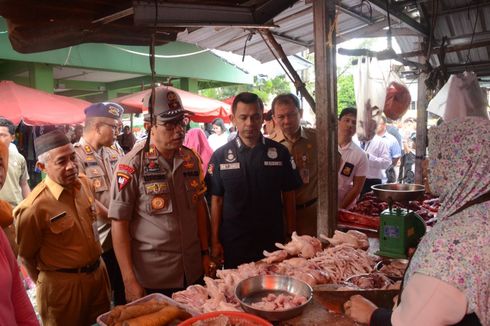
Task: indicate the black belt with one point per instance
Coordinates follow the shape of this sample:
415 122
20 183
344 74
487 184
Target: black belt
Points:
307 204
85 269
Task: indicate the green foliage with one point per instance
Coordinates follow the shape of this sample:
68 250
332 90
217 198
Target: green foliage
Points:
345 92
266 89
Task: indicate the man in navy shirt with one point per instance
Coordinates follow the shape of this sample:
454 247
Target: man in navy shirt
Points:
252 182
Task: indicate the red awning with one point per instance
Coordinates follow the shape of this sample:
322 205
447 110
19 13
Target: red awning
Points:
38 108
204 109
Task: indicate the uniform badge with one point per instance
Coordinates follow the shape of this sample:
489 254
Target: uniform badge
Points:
87 149
89 158
114 111
156 188
152 153
194 183
347 169
173 101
94 172
152 166
272 153
97 183
230 156
122 180
127 168
189 165
157 202
211 168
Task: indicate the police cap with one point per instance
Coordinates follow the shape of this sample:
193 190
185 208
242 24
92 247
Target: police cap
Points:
104 110
168 105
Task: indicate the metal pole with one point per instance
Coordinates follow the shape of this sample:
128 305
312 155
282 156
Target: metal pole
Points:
421 135
326 114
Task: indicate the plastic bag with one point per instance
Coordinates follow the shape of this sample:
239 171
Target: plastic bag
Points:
370 88
460 97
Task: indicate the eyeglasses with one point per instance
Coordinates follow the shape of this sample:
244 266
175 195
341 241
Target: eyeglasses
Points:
172 125
114 128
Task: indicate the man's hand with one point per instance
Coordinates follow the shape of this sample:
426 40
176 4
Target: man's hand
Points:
206 264
134 290
359 309
217 252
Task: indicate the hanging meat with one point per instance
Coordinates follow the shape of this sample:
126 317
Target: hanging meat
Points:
397 100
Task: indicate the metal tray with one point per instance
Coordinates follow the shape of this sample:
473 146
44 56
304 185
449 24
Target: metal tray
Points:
255 288
102 319
392 192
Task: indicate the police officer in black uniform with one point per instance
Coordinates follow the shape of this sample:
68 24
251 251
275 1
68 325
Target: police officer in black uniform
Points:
252 183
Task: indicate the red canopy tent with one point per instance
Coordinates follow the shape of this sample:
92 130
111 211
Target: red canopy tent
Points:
38 108
204 109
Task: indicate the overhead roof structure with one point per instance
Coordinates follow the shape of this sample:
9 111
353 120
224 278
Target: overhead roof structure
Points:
229 25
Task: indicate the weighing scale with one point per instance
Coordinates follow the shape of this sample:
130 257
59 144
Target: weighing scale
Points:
399 229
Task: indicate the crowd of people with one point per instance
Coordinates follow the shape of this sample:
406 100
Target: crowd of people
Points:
115 219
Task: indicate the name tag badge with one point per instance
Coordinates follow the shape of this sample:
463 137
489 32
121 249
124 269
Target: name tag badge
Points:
229 166
347 169
156 188
273 163
96 231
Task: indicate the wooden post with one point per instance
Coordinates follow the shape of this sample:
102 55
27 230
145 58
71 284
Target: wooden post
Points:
326 114
421 136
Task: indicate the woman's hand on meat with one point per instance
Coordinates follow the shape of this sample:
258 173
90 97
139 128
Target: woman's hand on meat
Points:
359 309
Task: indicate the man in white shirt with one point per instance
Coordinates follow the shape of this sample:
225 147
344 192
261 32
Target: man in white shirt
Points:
389 175
354 166
378 156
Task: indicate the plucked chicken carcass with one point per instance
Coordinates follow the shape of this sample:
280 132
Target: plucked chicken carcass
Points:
353 238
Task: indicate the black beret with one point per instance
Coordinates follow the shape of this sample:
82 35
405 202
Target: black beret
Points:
49 141
104 110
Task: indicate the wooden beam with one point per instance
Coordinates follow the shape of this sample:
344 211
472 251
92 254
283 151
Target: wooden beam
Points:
454 48
300 86
326 114
380 5
421 132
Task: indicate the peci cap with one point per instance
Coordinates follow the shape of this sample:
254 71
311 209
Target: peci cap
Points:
105 110
49 141
168 105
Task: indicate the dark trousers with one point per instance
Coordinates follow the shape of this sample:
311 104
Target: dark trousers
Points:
115 277
368 183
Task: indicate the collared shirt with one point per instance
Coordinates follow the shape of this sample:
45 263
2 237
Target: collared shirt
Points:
251 180
17 173
99 166
354 164
305 154
393 145
160 202
378 156
55 226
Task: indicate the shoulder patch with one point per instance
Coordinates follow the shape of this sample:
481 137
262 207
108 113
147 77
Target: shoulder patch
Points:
126 168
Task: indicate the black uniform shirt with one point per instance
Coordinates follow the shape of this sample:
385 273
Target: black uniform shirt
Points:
251 180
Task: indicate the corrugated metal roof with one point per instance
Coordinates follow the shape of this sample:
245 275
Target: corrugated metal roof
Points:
455 19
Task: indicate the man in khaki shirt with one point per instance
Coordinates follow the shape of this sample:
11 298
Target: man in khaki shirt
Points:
159 215
97 157
58 239
301 143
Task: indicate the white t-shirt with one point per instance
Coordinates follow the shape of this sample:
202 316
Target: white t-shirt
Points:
354 164
216 141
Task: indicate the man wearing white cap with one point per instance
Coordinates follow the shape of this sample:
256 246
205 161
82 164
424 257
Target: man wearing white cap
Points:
159 215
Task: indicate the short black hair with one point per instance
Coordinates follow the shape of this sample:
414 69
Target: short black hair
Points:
346 111
7 123
248 98
286 98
